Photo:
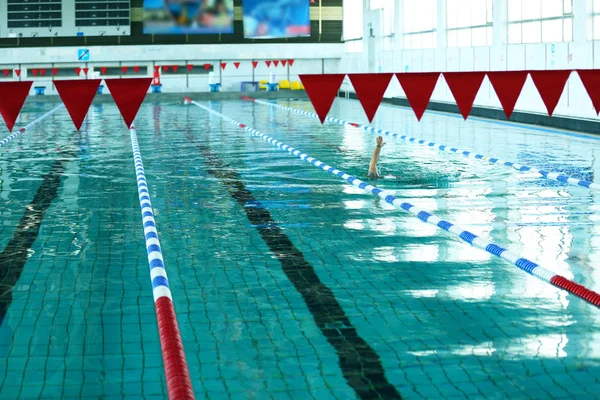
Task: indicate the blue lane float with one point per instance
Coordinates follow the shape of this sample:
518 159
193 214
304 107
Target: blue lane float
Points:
522 263
555 176
176 370
21 131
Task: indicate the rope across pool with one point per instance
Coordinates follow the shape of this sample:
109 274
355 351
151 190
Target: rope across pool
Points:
524 264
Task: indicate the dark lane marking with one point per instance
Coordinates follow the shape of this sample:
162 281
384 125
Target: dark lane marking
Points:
359 363
14 256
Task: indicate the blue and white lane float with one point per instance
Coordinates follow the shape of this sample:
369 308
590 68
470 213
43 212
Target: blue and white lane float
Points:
555 176
179 385
29 126
526 265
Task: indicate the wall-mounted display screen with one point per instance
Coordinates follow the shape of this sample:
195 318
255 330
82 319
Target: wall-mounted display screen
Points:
265 19
188 16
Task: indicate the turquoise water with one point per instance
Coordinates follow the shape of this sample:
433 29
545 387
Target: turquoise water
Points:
288 282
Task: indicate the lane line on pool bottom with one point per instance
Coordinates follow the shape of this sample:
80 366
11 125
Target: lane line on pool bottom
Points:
555 176
16 253
359 363
29 126
524 264
179 385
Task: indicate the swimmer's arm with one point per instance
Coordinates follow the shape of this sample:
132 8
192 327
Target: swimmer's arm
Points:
375 158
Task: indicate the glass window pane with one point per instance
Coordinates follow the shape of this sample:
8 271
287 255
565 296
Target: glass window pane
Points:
353 19
416 41
490 36
419 15
428 40
532 9
568 30
514 10
552 8
490 11
407 42
479 37
451 13
514 33
452 39
464 37
552 31
597 27
532 32
464 18
478 13
596 6
567 6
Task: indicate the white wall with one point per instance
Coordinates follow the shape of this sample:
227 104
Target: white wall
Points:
308 58
500 57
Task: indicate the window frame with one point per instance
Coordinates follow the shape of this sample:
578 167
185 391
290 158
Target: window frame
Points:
563 17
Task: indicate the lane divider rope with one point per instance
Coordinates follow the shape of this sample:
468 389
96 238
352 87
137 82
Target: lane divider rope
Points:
179 385
29 126
524 264
555 176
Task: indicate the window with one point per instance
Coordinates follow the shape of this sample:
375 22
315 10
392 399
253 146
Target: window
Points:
469 23
540 21
353 20
388 14
101 13
34 14
420 24
594 26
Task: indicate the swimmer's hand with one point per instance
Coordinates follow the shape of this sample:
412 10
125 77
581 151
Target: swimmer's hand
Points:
379 141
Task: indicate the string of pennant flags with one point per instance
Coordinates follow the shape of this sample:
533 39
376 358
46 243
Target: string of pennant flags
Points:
77 96
136 69
464 86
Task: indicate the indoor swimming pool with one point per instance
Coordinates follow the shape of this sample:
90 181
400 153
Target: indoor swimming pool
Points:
287 281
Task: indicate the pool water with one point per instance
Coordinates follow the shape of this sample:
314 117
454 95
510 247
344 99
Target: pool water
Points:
289 283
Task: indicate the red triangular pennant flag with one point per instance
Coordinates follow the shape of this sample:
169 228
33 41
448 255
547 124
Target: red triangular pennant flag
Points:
591 81
237 65
189 67
77 96
12 98
508 86
370 89
464 87
276 62
85 71
6 72
54 71
136 69
207 66
283 62
291 62
165 68
175 68
550 85
103 70
268 64
77 71
43 71
128 95
418 88
223 65
322 90
254 64
34 72
18 72
124 69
